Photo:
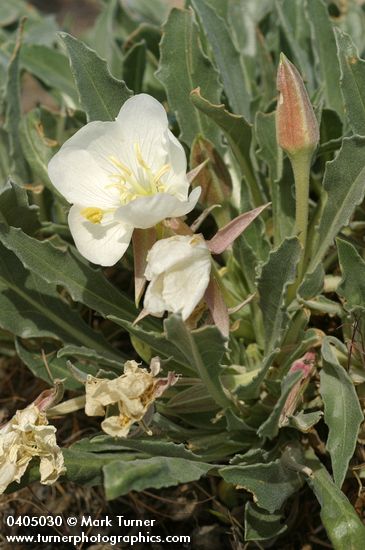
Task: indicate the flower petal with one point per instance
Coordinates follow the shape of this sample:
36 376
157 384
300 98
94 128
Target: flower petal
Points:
153 300
146 212
184 288
102 244
81 169
170 253
179 270
143 120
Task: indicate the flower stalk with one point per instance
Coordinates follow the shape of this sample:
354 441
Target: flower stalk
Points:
298 135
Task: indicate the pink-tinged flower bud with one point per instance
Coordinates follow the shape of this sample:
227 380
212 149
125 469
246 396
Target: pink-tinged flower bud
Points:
305 366
296 124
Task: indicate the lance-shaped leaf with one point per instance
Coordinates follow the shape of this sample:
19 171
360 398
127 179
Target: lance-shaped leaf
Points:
203 350
270 427
225 236
265 132
214 177
67 268
324 45
228 59
295 28
35 361
352 286
271 484
52 68
121 477
342 411
352 81
32 308
15 208
344 527
183 67
13 109
37 150
101 95
238 133
277 274
344 182
260 525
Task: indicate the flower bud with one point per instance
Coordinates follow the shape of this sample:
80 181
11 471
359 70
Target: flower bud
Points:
296 124
305 366
178 269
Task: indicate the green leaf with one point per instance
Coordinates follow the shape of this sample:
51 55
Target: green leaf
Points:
86 468
101 95
265 132
144 10
271 484
15 208
270 428
183 67
150 446
152 473
134 65
4 154
251 390
13 111
92 356
260 525
276 275
352 81
102 39
204 350
239 135
312 284
40 29
290 14
342 412
352 286
52 68
36 150
34 361
155 340
67 268
29 307
344 182
235 79
343 525
324 44
304 422
193 399
10 12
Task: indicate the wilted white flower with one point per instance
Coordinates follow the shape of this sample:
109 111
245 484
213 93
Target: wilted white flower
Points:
121 175
25 436
179 271
133 393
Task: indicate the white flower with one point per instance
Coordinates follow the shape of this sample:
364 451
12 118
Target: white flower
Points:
121 175
25 436
179 271
133 392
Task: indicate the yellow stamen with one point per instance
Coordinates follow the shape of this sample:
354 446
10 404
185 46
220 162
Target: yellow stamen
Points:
165 168
118 164
92 214
140 159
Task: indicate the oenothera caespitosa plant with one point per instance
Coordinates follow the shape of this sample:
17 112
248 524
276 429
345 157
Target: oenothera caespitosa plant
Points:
236 172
